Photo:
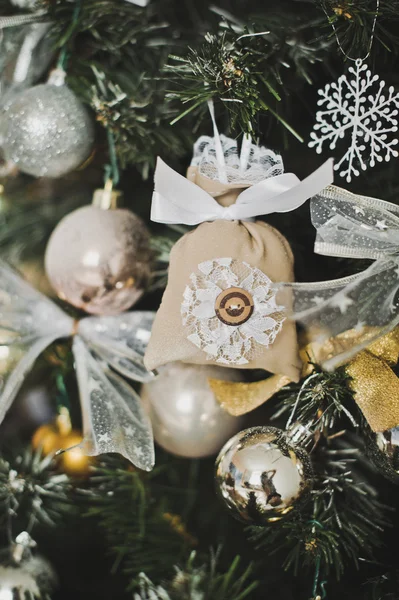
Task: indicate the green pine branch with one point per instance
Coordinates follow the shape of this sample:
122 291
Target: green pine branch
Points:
354 23
383 587
142 532
321 401
109 29
200 582
135 112
32 491
239 71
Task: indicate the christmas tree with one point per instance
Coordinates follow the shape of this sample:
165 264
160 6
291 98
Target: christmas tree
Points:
245 314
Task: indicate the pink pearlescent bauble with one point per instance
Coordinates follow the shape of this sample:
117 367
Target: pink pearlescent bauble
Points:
99 260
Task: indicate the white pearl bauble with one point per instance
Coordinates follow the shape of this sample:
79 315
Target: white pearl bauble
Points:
186 418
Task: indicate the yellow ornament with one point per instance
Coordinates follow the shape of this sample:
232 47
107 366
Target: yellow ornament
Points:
46 438
53 437
74 462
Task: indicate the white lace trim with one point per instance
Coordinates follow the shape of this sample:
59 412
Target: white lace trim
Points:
261 163
226 344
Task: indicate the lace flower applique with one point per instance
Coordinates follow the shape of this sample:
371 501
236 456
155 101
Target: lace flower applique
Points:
230 311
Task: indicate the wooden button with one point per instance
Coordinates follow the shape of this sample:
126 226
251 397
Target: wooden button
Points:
234 306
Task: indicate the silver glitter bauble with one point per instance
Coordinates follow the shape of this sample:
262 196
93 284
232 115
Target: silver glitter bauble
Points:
261 476
46 131
99 260
186 418
382 448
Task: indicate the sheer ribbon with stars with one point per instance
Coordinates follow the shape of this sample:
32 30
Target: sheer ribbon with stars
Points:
113 418
352 226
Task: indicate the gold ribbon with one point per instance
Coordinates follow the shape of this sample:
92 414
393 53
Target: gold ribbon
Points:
374 383
239 398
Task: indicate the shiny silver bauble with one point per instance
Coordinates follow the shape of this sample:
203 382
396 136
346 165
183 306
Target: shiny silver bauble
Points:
262 476
382 447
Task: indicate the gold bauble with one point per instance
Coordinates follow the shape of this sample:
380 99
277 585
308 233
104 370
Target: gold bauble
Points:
74 462
46 438
50 440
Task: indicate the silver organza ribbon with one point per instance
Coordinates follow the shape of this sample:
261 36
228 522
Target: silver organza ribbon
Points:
366 305
113 418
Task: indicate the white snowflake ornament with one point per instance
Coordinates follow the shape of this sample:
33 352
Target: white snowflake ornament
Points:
358 105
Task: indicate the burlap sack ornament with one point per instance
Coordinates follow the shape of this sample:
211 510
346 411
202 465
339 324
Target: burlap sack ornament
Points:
220 305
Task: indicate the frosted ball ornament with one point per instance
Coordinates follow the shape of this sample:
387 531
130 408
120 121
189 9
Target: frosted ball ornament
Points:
186 418
261 475
24 574
46 130
32 578
98 258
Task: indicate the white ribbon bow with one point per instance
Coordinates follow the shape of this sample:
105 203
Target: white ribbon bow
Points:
367 304
113 419
178 200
